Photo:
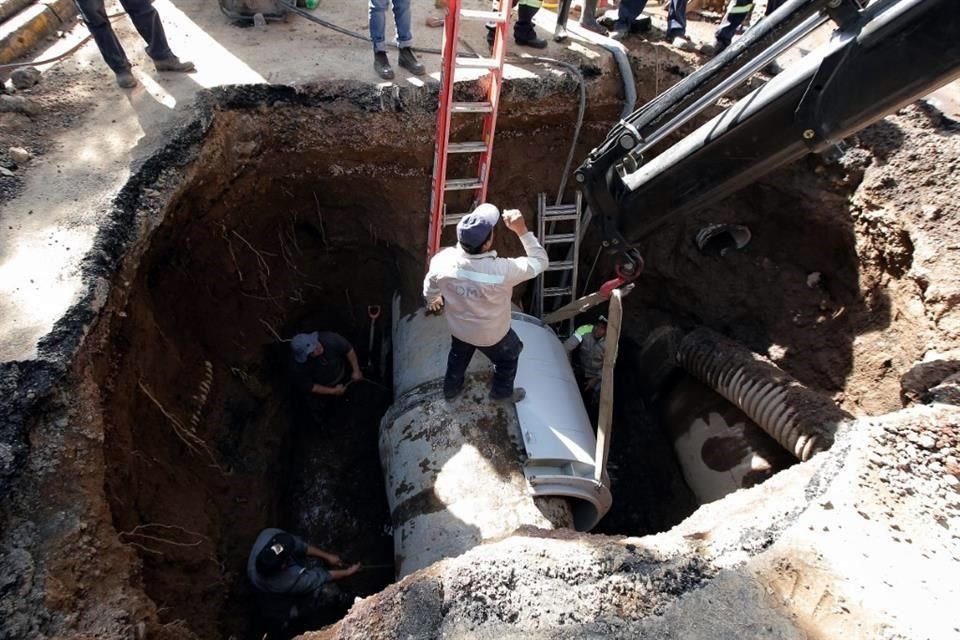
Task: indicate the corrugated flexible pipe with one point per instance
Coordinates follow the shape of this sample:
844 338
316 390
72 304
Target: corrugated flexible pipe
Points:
802 421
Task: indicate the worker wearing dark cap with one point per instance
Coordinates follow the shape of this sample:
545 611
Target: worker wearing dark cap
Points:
323 362
288 586
474 287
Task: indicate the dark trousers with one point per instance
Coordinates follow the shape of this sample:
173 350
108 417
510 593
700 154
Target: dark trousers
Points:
736 15
145 18
523 29
504 355
630 10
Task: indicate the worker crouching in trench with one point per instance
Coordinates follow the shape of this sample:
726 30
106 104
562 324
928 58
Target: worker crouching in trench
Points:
293 591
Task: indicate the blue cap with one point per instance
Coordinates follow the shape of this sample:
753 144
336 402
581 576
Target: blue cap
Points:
303 345
474 228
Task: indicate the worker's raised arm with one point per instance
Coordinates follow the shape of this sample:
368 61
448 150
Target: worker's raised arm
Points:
536 260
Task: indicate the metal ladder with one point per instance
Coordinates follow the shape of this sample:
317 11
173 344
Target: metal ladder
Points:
491 83
558 229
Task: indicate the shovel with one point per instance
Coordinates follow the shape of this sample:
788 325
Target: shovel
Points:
373 312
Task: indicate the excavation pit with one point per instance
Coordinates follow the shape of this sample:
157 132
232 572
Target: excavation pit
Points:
301 212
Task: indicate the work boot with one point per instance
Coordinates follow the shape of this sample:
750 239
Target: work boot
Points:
519 393
524 33
588 17
707 49
125 79
451 393
563 12
382 66
619 32
408 60
535 42
173 63
680 42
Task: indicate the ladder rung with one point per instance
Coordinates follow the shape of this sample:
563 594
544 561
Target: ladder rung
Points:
466 147
560 217
453 218
561 265
483 16
463 184
560 237
477 63
471 107
552 292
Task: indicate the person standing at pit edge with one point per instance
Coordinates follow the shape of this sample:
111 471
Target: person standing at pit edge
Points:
474 288
378 34
147 21
630 10
524 32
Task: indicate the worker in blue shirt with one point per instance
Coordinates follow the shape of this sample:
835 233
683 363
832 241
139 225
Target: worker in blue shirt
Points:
289 587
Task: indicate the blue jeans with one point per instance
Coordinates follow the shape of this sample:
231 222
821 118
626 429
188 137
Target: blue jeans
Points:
676 19
504 355
627 13
735 17
144 18
630 10
378 23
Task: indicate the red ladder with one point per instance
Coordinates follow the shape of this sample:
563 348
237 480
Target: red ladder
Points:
491 83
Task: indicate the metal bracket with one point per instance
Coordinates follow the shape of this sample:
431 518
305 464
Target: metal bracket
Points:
811 110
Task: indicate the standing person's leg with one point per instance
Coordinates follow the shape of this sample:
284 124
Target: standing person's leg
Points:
588 16
505 355
732 20
524 33
95 17
773 68
563 12
457 362
491 27
773 5
627 13
147 21
378 34
677 25
408 59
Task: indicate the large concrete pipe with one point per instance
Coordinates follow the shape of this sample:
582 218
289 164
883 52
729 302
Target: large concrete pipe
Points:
802 421
719 447
469 470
